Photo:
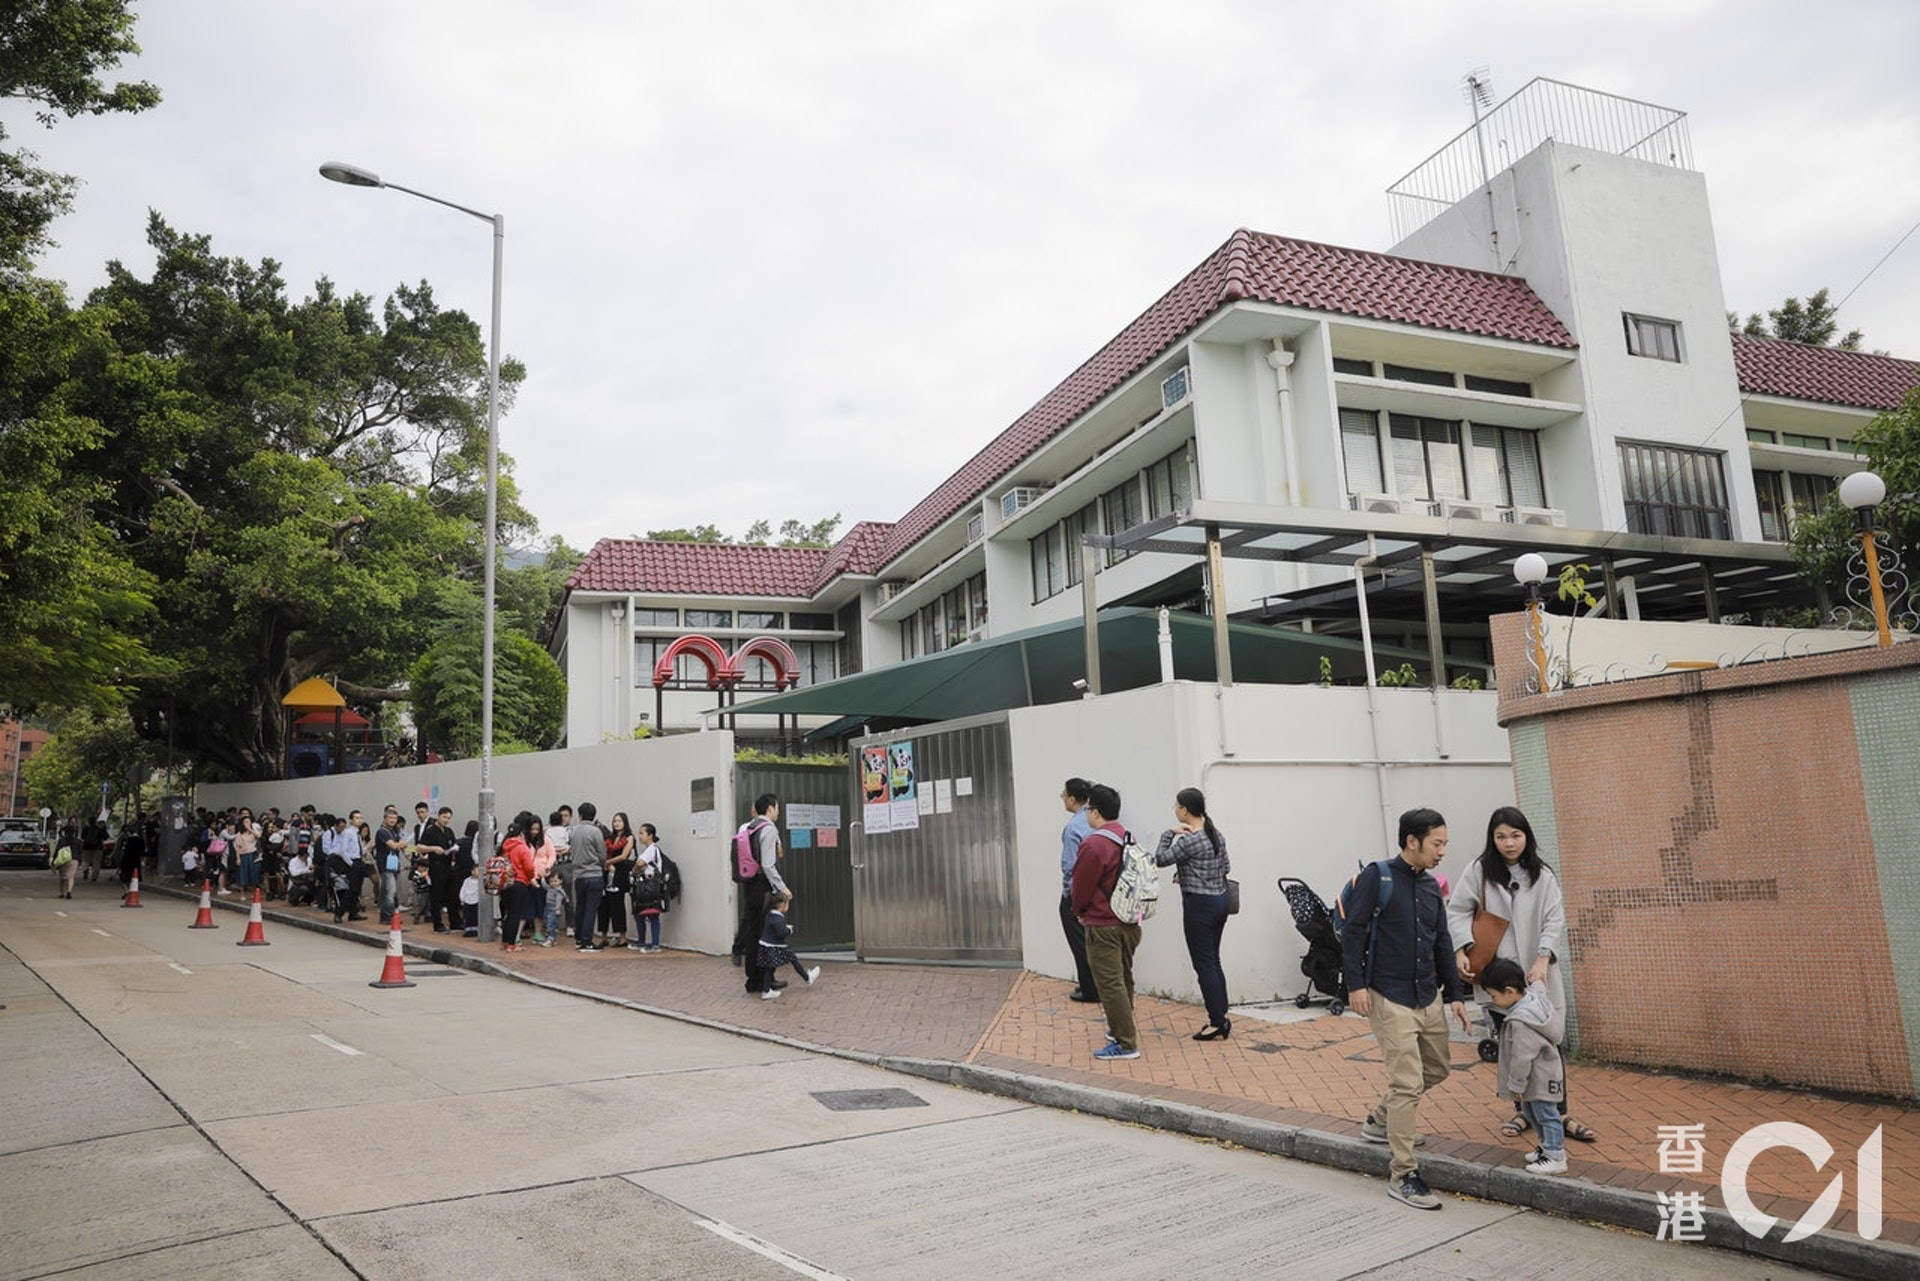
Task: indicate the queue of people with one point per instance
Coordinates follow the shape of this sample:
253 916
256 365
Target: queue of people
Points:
608 884
1416 952
346 866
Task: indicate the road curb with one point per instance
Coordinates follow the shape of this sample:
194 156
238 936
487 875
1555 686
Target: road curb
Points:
1567 1197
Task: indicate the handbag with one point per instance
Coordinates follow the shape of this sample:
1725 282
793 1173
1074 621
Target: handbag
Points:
1488 930
1233 897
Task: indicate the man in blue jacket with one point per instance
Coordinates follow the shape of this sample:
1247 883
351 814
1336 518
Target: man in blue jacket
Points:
1399 965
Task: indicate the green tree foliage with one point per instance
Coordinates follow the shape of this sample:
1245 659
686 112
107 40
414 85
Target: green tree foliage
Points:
529 692
62 574
291 483
1889 446
1810 322
527 597
793 533
89 749
53 54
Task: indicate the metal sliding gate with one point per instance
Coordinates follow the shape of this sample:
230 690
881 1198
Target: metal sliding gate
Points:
816 864
935 875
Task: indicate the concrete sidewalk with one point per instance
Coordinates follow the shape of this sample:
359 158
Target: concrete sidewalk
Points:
1298 1089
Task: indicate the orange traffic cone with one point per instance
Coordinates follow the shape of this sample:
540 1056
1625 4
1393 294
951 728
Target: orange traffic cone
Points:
204 921
256 928
132 898
395 972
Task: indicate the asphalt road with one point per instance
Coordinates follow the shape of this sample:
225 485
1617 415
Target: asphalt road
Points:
185 1107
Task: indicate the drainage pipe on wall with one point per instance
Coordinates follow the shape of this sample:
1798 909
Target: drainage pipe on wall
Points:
1280 360
1166 647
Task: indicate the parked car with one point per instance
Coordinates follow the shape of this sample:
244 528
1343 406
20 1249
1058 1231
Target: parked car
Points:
23 844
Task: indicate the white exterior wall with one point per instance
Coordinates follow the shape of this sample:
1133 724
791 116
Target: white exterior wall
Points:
1598 236
1293 780
649 779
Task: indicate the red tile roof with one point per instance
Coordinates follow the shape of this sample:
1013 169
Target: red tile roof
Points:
698 569
857 552
1828 375
1252 266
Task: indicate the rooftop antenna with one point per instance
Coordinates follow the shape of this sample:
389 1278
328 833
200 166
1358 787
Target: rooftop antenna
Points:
1477 86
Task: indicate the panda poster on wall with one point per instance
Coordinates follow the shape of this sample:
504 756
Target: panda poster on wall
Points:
876 809
902 788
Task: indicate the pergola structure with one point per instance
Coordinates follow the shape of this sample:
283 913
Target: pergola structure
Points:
1438 569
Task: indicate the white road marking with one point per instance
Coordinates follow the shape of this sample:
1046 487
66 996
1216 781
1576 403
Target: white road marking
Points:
765 1249
175 965
103 934
59 913
332 1044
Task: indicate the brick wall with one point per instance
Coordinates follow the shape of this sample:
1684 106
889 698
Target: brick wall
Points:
1740 851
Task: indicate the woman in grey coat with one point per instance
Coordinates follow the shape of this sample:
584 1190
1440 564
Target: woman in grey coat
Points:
1513 882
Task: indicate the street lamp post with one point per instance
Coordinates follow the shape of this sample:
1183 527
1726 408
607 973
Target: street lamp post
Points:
354 176
1531 570
1863 491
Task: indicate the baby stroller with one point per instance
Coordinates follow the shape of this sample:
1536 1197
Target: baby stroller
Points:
1321 964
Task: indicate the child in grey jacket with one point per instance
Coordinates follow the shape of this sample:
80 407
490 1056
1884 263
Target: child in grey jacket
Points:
1531 1069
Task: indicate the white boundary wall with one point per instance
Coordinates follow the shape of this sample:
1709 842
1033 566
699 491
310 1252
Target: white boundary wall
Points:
1304 781
648 778
1295 782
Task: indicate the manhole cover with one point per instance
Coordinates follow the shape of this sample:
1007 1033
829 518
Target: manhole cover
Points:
868 1100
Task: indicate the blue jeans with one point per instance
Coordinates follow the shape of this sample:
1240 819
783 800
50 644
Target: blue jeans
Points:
586 907
1203 918
1545 1116
649 929
389 894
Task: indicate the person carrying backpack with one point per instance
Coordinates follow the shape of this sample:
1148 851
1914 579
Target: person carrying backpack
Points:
650 889
755 857
1399 966
1110 941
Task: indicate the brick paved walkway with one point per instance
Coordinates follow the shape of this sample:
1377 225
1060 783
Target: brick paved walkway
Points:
1319 1074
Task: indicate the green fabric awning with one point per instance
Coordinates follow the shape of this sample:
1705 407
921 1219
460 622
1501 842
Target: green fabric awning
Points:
1040 665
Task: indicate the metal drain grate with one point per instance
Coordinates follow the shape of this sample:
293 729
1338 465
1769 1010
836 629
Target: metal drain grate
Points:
868 1100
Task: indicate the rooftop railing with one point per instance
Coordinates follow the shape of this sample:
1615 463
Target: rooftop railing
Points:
1540 110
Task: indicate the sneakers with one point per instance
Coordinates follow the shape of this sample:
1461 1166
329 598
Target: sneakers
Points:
1541 1163
1115 1050
545 942
1374 1132
812 974
1413 1190
771 994
587 948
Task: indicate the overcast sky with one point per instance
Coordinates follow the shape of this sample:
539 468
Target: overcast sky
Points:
797 258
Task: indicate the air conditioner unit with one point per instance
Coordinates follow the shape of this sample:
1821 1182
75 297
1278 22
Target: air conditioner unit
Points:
1019 497
889 590
1537 516
1176 387
1462 509
976 526
1391 505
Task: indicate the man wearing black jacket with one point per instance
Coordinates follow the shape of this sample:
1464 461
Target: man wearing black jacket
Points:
1399 965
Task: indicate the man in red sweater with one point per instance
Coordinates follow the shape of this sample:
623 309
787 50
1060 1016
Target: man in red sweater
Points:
1110 945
